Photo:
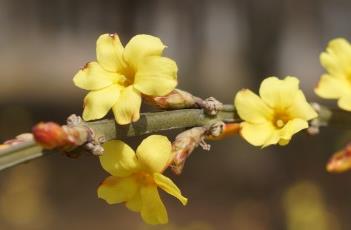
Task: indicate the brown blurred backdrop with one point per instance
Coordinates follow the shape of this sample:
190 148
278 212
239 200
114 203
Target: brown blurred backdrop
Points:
220 46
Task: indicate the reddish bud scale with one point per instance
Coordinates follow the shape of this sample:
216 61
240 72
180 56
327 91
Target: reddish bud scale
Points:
184 145
51 136
340 161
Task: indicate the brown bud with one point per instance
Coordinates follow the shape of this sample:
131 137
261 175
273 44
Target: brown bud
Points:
177 99
184 145
340 161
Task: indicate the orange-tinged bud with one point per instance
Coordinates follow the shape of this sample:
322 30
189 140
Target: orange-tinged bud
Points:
51 135
229 129
340 161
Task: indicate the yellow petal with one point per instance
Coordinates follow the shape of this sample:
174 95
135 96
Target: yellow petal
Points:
135 203
332 88
292 127
345 102
118 158
259 134
109 52
97 103
279 94
153 210
252 108
300 108
154 153
115 190
141 46
283 142
94 77
337 58
127 108
273 139
156 76
168 186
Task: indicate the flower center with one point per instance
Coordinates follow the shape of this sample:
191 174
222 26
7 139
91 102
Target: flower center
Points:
129 73
280 119
144 178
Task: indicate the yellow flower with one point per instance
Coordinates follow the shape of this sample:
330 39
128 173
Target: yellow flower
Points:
336 84
136 176
122 74
279 112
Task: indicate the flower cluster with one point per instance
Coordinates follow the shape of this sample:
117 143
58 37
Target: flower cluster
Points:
123 76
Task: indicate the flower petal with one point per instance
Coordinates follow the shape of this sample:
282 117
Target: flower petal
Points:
273 139
135 203
94 77
141 46
156 76
127 108
153 210
300 108
259 134
154 153
279 94
115 190
332 88
252 108
337 58
97 103
292 127
109 52
168 186
118 158
345 102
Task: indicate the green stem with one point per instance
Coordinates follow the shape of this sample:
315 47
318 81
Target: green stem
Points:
153 123
148 123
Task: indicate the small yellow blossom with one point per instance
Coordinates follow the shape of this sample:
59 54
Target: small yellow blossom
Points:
336 84
121 74
275 116
136 176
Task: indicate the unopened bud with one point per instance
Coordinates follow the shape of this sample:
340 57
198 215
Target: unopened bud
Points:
226 130
210 105
184 145
340 161
177 99
51 135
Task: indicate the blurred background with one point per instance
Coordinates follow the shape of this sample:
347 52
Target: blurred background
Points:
220 46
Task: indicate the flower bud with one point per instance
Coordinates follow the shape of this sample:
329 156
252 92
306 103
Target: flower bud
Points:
177 99
184 145
228 129
340 161
51 136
